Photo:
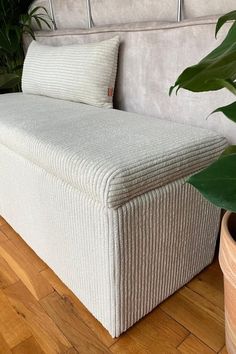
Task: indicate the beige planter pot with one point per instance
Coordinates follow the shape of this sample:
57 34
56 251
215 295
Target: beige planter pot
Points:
228 265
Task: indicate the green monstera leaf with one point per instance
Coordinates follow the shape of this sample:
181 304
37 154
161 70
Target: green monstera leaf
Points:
229 111
217 182
223 19
216 71
229 151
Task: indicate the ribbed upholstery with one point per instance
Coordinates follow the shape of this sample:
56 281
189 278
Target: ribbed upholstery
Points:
165 237
101 196
110 155
120 263
81 73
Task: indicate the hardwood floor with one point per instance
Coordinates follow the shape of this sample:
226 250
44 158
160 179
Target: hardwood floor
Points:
39 314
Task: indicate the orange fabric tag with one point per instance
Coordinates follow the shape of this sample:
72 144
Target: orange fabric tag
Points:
110 91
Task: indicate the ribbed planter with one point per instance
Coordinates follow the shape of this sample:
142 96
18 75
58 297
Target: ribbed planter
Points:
228 265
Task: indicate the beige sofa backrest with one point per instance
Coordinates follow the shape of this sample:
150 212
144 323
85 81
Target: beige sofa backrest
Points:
152 55
73 13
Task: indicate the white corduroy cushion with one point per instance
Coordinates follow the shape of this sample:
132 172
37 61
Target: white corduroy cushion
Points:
83 73
109 155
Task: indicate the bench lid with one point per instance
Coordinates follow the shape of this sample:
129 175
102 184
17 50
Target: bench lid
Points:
111 156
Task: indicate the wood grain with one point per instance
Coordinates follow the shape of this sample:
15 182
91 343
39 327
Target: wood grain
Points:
223 351
209 284
29 346
7 230
198 315
128 345
3 237
67 318
82 312
4 348
24 249
155 328
192 345
25 270
44 330
36 319
2 221
72 351
12 326
7 276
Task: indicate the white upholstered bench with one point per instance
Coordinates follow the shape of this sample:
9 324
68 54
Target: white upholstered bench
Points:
100 195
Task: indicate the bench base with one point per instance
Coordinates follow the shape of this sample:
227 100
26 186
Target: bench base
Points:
121 263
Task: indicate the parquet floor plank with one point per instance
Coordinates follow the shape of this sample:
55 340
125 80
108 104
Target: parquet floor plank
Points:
4 348
7 230
36 319
72 351
192 345
2 221
50 339
156 333
13 329
82 312
3 237
209 284
29 346
24 249
67 318
198 315
128 345
25 270
7 276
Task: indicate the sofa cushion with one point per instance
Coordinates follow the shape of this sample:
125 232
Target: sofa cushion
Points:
111 156
80 72
73 13
150 61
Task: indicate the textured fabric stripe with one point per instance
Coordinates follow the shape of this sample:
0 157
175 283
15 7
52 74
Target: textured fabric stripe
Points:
79 73
120 263
109 155
68 230
166 236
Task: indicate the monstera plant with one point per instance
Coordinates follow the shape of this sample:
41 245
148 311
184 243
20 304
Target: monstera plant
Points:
16 20
218 181
215 72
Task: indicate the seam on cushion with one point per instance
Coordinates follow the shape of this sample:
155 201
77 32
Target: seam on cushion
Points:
139 199
54 175
215 143
169 26
109 215
113 261
168 172
88 195
106 199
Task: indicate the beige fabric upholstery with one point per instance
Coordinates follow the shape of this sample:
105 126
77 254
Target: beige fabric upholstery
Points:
120 263
109 155
108 12
197 8
73 13
151 57
80 73
68 13
57 159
